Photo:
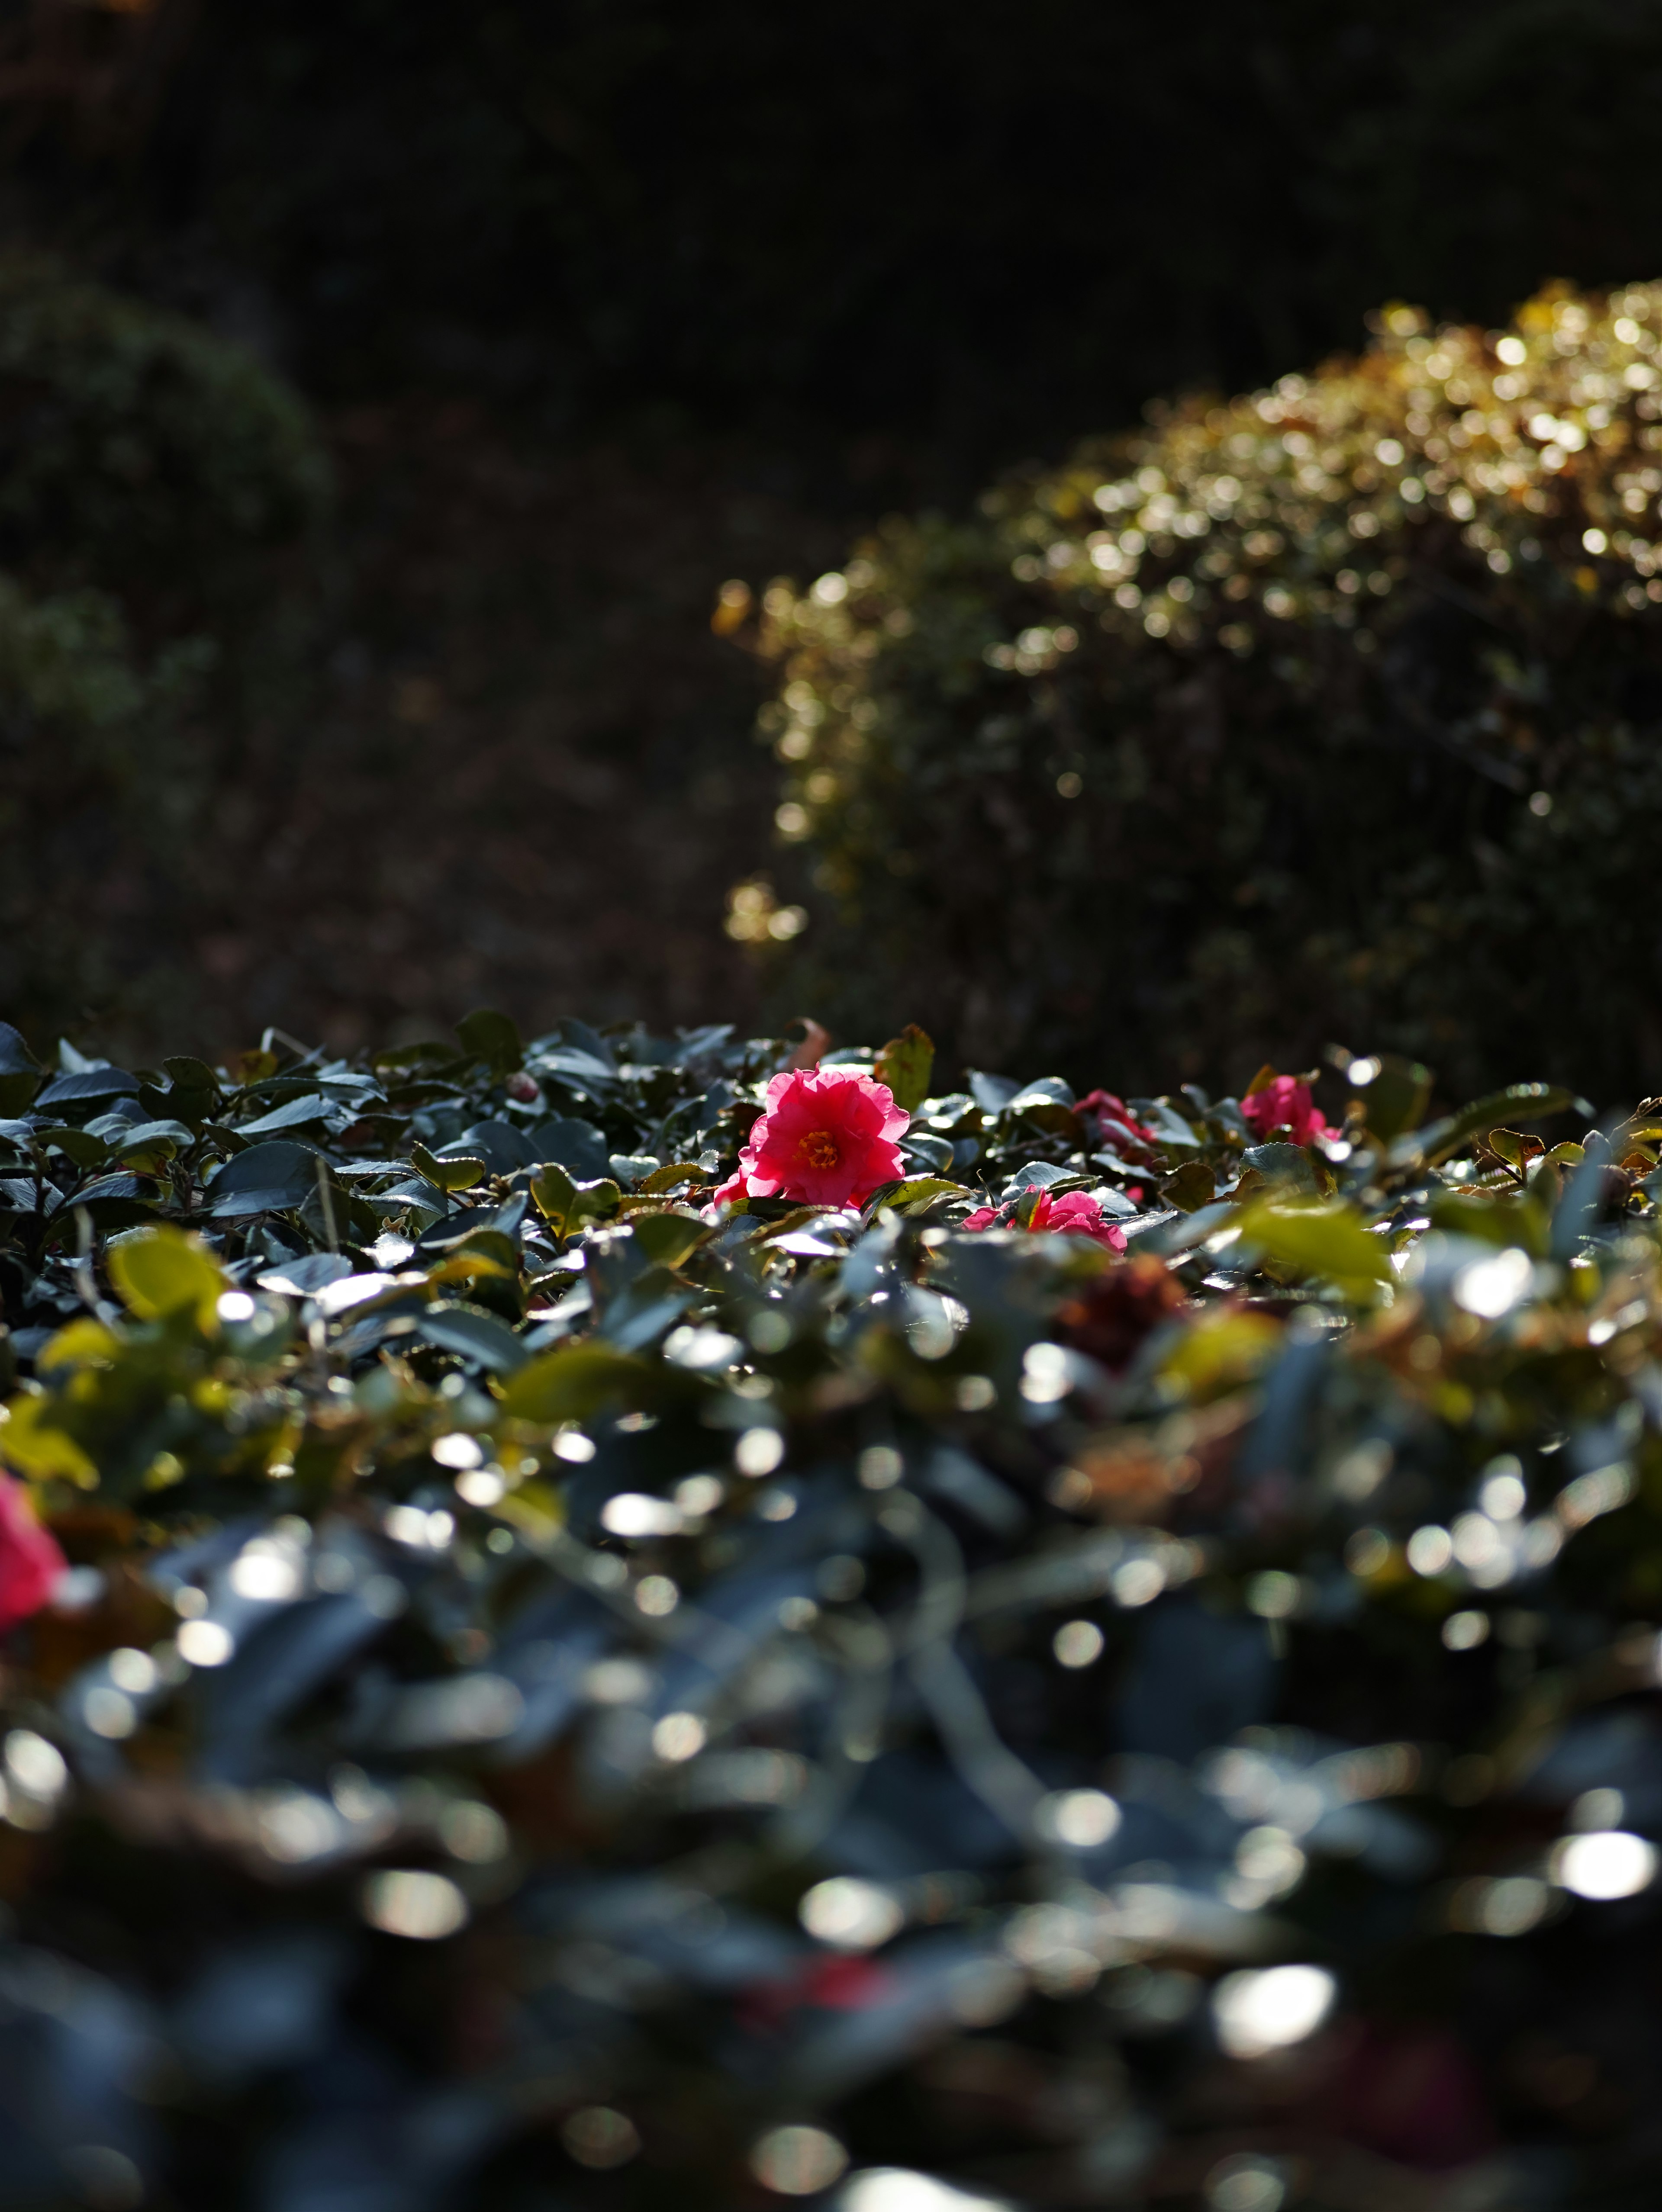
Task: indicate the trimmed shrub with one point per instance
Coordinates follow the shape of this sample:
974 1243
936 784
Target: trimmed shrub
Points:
572 1693
1330 711
155 484
137 451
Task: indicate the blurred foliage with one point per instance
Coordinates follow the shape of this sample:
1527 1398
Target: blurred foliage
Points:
1330 711
139 452
155 482
565 1699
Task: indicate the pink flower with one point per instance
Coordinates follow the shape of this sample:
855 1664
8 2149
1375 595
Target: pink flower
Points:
30 1561
1283 1104
1116 1124
824 1138
1075 1215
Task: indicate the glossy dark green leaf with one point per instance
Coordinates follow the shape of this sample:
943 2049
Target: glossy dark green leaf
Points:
473 1334
914 1195
269 1178
1287 1165
16 1058
576 1146
669 1238
1395 1099
492 1037
905 1064
19 1077
310 1109
1191 1188
1517 1101
189 1074
92 1087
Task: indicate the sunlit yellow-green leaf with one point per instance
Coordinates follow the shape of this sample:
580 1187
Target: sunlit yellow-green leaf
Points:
573 1381
1320 1238
163 1272
33 1444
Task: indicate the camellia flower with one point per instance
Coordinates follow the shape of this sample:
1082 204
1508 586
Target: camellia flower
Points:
826 1137
1116 1124
1284 1104
1075 1215
30 1561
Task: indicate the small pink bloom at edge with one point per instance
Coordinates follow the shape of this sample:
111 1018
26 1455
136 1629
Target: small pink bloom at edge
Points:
30 1561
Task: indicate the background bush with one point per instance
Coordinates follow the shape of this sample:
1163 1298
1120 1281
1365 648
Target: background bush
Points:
155 484
1329 711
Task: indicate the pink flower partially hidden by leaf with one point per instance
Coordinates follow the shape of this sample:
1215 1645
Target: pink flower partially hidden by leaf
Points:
1116 1124
826 1137
30 1561
1283 1107
1075 1215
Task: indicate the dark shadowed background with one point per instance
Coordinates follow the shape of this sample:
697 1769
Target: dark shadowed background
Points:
597 305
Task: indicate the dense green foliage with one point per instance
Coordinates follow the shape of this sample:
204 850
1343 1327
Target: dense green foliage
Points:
140 452
153 482
560 1687
1330 712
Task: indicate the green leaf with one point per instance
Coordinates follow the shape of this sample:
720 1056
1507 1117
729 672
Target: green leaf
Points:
273 1178
491 1037
914 1195
160 1139
1223 1349
36 1446
163 1272
553 1194
669 1239
1502 1221
595 1202
460 1171
1309 1237
310 1108
670 1177
905 1064
1287 1165
573 1382
20 1078
1511 1146
1517 1101
188 1073
1191 1188
78 1145
563 1200
1396 1097
428 1051
1167 1124
16 1058
472 1334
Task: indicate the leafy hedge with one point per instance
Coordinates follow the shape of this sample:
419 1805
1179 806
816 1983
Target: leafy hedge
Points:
569 1693
155 482
137 445
1329 711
